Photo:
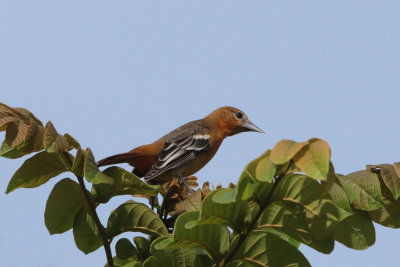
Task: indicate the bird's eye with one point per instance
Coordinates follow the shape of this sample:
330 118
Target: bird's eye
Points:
239 115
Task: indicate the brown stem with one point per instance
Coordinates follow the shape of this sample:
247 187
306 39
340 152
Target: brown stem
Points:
164 202
92 210
243 236
100 228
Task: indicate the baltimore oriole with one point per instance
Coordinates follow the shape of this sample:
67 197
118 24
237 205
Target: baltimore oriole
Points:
185 150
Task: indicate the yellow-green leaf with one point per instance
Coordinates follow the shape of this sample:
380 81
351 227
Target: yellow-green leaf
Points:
285 150
265 169
313 159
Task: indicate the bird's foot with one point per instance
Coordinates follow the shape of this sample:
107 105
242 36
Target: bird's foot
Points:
191 191
186 185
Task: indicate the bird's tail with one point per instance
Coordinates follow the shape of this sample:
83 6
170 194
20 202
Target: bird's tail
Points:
115 159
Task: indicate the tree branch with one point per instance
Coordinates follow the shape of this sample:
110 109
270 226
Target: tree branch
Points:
92 210
100 228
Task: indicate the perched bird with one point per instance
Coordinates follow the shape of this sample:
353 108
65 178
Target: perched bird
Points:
185 150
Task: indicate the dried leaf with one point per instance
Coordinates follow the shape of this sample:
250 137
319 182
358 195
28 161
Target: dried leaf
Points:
193 202
206 188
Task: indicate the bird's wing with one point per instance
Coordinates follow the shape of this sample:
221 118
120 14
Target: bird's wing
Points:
181 146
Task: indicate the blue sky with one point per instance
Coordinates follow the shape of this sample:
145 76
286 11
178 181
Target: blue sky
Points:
119 74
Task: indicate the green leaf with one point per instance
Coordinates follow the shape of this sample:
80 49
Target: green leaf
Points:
92 173
368 190
327 185
125 249
244 188
391 180
131 262
304 192
52 141
236 215
356 231
265 169
125 183
242 191
214 238
85 238
261 248
172 257
262 192
261 169
313 159
143 247
298 224
340 198
135 217
62 206
283 236
285 150
37 170
78 164
298 210
388 215
92 224
350 191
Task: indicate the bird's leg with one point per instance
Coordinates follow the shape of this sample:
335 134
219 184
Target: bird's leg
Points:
185 183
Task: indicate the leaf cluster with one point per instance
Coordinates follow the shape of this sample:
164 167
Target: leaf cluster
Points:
288 196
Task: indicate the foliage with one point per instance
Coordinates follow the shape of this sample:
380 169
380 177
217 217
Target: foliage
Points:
288 196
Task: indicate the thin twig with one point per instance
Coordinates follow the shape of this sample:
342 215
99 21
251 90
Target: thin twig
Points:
92 210
100 228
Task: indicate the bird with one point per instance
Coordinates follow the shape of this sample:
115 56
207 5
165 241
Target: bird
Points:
185 150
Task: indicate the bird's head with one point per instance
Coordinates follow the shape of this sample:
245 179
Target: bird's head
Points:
232 121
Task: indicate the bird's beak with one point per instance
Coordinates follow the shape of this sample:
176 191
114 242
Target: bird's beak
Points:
251 127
